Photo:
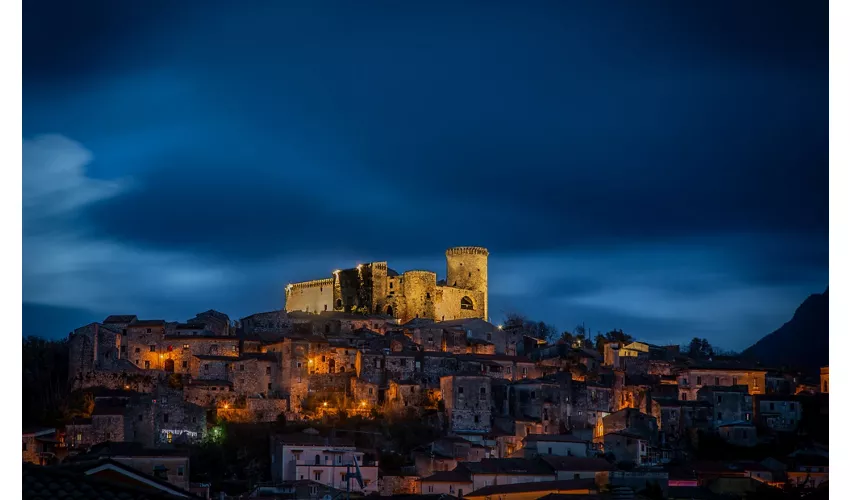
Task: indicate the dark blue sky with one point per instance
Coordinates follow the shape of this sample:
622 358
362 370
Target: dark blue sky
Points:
660 167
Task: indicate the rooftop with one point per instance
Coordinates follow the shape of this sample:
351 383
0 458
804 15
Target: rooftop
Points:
555 438
586 464
459 475
557 486
119 319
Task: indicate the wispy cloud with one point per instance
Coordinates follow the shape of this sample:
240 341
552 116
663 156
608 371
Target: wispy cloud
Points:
65 265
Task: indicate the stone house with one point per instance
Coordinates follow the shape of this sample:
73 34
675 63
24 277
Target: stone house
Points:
677 418
535 400
171 465
467 400
254 374
498 471
731 404
590 402
824 380
308 456
364 392
434 365
403 394
567 467
455 483
214 321
564 445
398 484
693 379
477 328
445 453
267 322
630 421
739 433
778 412
39 445
626 446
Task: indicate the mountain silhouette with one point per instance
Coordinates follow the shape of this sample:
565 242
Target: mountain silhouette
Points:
802 343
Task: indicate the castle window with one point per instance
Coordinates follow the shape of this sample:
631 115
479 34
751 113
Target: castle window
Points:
338 303
427 295
470 275
466 303
326 307
153 348
391 285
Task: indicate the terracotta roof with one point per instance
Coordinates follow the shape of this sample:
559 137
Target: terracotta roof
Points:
459 475
509 466
71 482
584 464
120 318
563 485
149 322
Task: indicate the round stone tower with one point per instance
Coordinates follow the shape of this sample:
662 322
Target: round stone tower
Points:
466 267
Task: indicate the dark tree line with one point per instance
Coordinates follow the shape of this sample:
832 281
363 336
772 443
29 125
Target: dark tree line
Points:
46 387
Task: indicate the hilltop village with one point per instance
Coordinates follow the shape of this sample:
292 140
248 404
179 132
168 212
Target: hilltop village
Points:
513 416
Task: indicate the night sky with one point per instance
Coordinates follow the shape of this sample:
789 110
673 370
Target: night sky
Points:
660 167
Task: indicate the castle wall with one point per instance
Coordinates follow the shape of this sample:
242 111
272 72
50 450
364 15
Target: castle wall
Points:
449 306
420 294
311 296
380 287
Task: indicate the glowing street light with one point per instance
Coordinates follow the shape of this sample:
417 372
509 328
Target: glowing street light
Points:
325 403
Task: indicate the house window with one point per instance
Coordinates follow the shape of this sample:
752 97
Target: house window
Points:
317 475
771 406
719 399
185 346
734 380
268 370
327 459
370 391
149 330
185 364
234 348
270 386
169 437
194 420
489 336
699 380
477 419
206 367
339 459
430 488
483 393
533 395
318 460
241 368
314 490
180 470
524 372
298 364
147 364
153 348
720 415
138 350
165 418
460 390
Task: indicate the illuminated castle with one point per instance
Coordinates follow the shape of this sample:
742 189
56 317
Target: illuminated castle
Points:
376 289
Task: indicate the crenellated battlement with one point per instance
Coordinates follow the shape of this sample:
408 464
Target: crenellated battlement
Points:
310 284
379 265
419 272
467 251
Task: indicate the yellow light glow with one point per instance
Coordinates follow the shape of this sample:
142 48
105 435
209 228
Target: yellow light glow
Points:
363 403
309 361
325 403
359 266
499 327
226 405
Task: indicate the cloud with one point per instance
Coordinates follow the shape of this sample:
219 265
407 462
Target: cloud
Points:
67 266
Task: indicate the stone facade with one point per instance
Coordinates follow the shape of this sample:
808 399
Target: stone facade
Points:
467 402
399 485
376 289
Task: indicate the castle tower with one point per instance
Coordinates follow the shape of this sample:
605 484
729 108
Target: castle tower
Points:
466 267
379 287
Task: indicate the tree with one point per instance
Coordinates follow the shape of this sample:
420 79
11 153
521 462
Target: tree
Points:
619 336
700 349
45 377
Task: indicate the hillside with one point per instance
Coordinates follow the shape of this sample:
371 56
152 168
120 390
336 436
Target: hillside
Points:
802 342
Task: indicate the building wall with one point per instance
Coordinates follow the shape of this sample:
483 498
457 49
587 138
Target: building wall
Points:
299 462
541 447
311 296
178 467
453 489
690 381
780 415
482 480
399 485
824 379
467 402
